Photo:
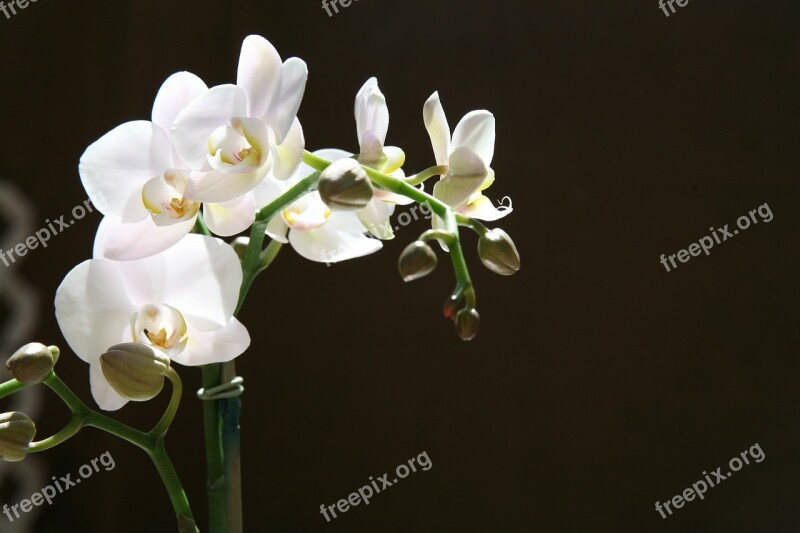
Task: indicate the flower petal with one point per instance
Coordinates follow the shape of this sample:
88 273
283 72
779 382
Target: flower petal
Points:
106 397
93 309
115 168
259 64
376 217
395 158
231 218
216 345
195 124
218 187
467 174
175 94
286 97
483 209
476 131
438 128
277 229
200 276
327 244
121 241
289 154
372 113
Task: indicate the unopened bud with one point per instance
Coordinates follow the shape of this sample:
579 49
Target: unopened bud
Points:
467 323
136 371
498 253
345 186
32 363
417 261
240 245
453 305
16 434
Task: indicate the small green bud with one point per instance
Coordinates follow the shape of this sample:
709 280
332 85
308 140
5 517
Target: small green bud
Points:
136 371
417 261
467 323
498 253
32 363
16 434
345 186
240 245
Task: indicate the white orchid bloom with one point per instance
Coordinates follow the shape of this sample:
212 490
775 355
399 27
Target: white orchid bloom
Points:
134 177
180 301
467 156
233 136
314 230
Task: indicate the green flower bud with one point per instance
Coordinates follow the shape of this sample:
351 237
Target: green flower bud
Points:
417 261
345 186
136 371
498 253
467 323
16 434
32 363
240 245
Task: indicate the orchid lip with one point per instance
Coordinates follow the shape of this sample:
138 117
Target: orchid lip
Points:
162 327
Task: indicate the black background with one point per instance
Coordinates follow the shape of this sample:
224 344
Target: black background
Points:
599 384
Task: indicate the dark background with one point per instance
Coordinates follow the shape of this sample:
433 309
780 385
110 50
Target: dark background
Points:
599 383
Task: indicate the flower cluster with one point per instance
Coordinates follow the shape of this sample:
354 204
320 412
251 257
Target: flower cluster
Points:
220 160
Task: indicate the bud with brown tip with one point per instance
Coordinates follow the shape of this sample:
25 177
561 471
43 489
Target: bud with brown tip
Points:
498 252
32 363
417 261
136 371
345 186
17 431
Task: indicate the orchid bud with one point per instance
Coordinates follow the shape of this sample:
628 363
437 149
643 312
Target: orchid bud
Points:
467 323
32 363
345 186
16 434
417 261
136 371
240 245
498 253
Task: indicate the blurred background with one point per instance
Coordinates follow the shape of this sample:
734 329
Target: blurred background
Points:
599 382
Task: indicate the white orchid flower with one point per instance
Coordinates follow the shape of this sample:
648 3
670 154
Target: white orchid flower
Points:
233 136
467 156
134 177
180 301
314 230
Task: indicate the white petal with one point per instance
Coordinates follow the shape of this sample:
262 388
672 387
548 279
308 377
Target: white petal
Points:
372 113
231 218
175 94
277 229
93 309
289 154
115 168
200 276
217 187
376 217
195 124
482 209
105 396
438 128
268 190
395 158
467 174
217 345
259 63
286 97
121 241
476 131
327 244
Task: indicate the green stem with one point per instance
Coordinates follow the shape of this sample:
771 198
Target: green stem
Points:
177 495
426 175
70 430
10 387
215 461
163 425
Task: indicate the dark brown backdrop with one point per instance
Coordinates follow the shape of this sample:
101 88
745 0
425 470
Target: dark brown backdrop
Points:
599 382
